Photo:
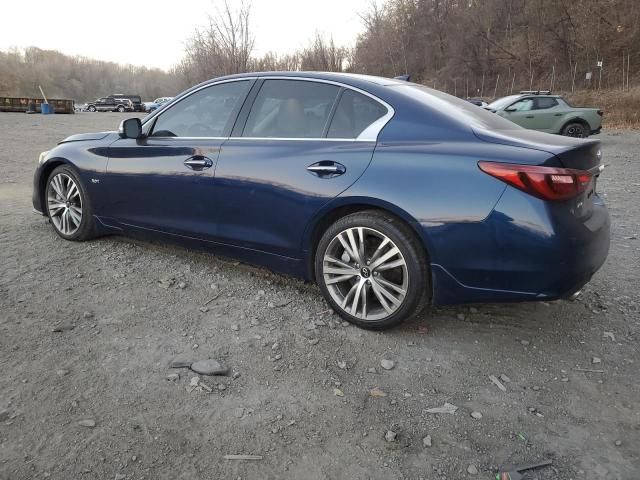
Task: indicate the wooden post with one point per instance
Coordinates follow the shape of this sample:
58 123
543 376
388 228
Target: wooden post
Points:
495 90
600 75
513 81
553 75
482 87
628 65
43 95
623 77
573 80
455 87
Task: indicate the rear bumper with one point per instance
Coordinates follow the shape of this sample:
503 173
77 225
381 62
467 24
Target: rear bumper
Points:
526 249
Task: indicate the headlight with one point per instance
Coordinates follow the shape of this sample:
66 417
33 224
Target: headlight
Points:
42 156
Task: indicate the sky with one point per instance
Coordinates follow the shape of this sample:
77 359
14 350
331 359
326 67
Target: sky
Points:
152 33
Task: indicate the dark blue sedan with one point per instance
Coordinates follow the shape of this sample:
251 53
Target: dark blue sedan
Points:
389 195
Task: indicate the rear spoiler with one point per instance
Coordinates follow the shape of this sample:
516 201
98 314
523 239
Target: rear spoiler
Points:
406 78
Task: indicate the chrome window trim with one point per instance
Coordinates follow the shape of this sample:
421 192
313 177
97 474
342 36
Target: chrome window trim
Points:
369 134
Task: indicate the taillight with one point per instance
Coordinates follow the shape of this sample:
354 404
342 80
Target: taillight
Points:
548 183
600 112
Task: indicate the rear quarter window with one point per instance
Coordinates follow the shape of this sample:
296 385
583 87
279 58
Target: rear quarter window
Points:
354 114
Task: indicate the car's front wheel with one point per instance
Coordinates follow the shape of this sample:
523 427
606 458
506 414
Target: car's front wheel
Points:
372 269
68 206
91 108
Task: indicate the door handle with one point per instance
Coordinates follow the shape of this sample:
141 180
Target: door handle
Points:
529 116
198 162
557 114
326 169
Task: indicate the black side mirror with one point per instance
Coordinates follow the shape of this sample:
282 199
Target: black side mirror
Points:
130 128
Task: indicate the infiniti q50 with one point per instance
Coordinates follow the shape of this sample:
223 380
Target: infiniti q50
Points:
387 194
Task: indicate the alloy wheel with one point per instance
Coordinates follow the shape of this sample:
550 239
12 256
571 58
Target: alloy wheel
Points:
365 273
64 203
575 131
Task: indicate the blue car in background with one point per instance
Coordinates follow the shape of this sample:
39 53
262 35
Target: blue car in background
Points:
157 103
389 195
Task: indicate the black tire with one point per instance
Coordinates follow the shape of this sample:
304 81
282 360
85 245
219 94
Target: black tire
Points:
120 109
412 252
86 229
91 108
575 129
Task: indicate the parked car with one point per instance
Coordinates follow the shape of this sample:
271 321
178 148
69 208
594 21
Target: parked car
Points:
136 100
478 102
539 110
110 104
388 194
157 103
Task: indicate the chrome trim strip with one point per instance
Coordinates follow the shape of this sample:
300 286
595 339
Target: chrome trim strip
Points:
369 134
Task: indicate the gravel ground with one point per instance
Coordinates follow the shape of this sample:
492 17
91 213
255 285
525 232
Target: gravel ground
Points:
308 394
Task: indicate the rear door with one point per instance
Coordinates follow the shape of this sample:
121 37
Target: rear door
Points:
546 113
296 146
165 181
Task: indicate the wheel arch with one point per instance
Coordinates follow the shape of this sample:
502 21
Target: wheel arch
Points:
346 206
49 167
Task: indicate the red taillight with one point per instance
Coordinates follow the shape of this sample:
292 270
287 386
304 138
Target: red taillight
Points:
548 183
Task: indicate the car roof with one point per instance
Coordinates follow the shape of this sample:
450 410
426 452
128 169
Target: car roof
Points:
348 78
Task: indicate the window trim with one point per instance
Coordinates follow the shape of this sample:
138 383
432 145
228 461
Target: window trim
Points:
369 134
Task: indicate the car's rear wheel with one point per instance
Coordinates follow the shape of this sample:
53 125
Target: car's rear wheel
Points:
68 206
575 129
372 269
121 109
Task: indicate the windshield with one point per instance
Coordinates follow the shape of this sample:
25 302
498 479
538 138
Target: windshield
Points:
503 102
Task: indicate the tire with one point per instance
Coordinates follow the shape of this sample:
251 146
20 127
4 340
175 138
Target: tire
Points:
91 108
342 275
120 109
65 204
575 129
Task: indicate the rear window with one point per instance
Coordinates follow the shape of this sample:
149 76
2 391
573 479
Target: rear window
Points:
464 111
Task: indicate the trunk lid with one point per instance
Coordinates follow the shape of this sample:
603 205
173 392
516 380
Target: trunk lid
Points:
576 153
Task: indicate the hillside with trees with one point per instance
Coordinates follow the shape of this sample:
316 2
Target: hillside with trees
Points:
467 48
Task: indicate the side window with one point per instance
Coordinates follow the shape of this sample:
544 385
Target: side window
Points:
290 109
354 114
545 102
205 113
523 105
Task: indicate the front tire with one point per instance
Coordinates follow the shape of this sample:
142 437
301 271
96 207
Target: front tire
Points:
372 270
575 129
68 205
91 108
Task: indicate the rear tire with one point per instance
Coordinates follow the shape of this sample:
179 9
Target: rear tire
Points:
120 109
575 129
372 270
68 205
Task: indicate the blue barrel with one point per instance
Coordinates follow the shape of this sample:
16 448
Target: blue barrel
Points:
44 108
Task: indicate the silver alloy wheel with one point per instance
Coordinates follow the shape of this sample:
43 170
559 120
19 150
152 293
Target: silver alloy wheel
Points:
365 273
64 203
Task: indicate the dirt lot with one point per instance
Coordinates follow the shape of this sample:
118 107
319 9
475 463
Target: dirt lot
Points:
301 397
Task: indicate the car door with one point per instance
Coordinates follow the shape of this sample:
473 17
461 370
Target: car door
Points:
546 113
521 112
296 146
165 181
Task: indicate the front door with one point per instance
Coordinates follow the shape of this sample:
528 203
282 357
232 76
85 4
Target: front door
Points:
300 146
165 181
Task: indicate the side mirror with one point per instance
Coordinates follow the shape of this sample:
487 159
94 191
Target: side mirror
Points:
130 128
510 109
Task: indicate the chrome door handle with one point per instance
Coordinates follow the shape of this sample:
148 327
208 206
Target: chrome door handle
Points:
198 162
327 169
529 116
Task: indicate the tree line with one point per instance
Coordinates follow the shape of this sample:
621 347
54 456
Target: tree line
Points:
464 47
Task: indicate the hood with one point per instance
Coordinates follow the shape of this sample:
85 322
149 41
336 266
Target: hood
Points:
80 137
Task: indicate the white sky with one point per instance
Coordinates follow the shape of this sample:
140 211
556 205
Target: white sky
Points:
153 32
